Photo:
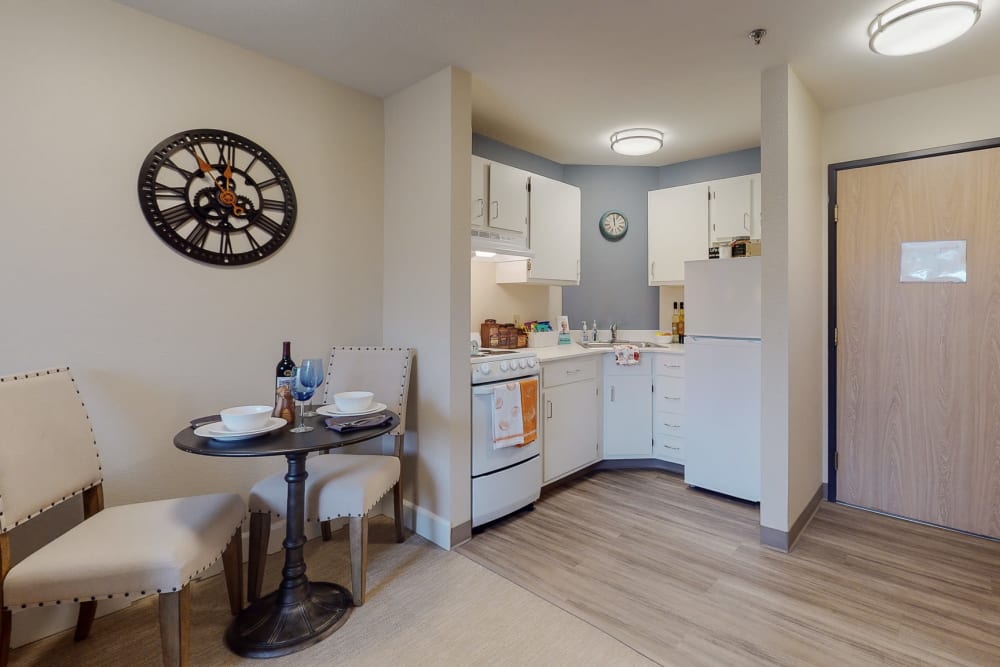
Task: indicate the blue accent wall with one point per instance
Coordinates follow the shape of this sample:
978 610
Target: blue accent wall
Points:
491 149
727 165
613 281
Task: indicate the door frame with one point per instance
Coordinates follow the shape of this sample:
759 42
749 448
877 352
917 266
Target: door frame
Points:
832 171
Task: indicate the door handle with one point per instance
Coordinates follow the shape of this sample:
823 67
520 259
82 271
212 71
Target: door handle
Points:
548 406
496 209
612 393
482 207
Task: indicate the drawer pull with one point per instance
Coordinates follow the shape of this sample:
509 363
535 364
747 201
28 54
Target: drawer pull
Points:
673 365
672 398
573 371
669 447
670 425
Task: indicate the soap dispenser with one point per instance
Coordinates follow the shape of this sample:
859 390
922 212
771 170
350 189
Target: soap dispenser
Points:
586 334
593 333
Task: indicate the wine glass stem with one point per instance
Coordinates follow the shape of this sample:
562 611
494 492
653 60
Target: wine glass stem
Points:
302 414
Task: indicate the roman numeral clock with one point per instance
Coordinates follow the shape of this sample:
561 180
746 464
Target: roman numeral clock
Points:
217 197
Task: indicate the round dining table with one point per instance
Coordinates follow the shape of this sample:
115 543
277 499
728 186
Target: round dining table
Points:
300 612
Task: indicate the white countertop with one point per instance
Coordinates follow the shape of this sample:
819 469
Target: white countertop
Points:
571 350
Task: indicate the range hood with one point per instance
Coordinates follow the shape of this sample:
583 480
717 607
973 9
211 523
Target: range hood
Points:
489 245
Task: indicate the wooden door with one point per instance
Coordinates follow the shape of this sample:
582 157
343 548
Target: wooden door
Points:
918 364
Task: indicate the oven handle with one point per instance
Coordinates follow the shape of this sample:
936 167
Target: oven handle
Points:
481 389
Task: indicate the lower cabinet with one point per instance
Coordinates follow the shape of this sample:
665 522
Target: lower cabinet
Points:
570 410
628 409
668 408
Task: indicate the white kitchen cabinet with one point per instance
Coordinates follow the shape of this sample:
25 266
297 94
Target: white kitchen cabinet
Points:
570 409
669 398
628 409
480 190
554 237
729 207
508 199
677 231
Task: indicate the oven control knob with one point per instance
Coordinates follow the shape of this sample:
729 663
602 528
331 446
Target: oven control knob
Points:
484 369
531 363
503 365
523 363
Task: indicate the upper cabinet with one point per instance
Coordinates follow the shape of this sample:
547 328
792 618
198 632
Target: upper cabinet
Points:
508 199
480 190
677 231
684 221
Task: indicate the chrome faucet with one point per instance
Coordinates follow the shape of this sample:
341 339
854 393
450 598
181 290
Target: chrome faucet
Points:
614 332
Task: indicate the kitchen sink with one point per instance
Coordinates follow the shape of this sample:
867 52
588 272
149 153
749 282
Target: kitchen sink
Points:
606 345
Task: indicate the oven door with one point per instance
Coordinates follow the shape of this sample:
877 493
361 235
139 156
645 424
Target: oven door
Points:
485 459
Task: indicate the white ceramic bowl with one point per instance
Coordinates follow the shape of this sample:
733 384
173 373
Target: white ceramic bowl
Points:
246 417
353 401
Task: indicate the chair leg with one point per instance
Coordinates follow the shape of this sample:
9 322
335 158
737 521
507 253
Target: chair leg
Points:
85 620
260 533
397 509
175 624
5 623
232 563
327 530
359 557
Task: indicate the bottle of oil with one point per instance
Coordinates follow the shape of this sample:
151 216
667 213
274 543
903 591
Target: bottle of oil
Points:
675 325
680 325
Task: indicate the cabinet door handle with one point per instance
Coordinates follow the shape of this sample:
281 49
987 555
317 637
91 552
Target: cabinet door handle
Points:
746 221
612 393
548 406
496 209
577 271
652 271
482 207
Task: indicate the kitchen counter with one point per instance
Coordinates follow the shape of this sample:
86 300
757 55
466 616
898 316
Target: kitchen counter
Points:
572 350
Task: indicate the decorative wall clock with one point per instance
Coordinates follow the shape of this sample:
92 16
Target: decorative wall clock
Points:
217 197
613 225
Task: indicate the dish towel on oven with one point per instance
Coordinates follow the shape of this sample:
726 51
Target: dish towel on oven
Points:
626 355
515 413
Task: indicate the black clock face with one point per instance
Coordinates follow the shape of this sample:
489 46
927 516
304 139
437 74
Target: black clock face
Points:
217 197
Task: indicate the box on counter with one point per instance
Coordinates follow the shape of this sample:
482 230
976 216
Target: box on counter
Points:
543 338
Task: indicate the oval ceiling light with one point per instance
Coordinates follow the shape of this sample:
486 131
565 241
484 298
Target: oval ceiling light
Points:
637 141
915 26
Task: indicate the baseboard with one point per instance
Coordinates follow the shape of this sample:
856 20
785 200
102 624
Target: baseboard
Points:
461 534
785 542
427 524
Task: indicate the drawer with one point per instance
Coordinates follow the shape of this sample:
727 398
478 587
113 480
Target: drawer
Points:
644 367
668 448
668 423
668 394
555 373
670 364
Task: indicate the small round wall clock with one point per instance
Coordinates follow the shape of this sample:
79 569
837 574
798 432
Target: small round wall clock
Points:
613 225
216 197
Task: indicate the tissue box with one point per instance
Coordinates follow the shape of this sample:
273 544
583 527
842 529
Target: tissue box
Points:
542 338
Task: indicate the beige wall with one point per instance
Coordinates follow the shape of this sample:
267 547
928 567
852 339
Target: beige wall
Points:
502 302
428 144
958 113
154 339
791 387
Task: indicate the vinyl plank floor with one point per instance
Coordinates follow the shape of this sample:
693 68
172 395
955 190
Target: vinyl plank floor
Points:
679 576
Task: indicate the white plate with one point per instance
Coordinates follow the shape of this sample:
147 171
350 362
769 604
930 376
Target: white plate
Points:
217 431
332 411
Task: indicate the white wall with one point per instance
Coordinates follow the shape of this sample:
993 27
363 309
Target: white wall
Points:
502 301
958 113
154 339
428 147
791 427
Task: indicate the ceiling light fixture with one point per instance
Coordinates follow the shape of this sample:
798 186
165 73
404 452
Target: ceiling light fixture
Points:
915 26
637 141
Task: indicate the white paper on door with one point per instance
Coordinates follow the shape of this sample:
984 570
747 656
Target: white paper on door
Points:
932 262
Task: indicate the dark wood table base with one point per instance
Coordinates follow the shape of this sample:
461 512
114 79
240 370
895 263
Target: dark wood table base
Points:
267 628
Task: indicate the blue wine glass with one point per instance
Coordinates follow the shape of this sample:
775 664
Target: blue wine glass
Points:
302 392
315 369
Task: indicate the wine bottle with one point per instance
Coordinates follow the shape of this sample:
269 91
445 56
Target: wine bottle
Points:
283 378
674 324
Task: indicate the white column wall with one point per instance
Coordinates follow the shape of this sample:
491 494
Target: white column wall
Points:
428 145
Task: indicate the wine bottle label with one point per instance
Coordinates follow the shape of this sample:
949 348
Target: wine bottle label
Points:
283 382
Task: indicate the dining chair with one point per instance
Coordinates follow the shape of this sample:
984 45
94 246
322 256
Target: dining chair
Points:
343 485
48 456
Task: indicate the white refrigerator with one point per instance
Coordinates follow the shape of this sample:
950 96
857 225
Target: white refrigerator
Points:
723 357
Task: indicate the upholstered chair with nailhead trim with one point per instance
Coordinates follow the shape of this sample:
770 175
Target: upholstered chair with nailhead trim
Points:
48 455
343 485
